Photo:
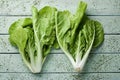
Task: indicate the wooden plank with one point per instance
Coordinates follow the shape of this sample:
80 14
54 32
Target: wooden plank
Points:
60 63
110 24
95 7
59 76
111 44
5 46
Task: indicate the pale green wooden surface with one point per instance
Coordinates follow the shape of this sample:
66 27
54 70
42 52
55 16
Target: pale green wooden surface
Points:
60 76
95 7
60 63
103 62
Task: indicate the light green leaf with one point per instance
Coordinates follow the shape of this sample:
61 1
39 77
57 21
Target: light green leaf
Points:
76 35
34 37
99 34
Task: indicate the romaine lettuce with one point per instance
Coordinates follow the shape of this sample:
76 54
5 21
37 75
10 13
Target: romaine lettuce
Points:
77 35
34 37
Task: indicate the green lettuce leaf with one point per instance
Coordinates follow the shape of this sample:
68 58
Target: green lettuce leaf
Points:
35 37
77 34
99 34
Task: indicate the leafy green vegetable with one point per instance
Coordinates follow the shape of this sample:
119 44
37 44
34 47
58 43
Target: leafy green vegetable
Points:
35 37
99 34
77 34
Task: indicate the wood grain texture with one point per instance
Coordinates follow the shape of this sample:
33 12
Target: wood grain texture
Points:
110 24
111 44
102 66
59 76
95 7
60 63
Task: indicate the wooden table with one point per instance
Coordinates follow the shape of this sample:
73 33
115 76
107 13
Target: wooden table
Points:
103 62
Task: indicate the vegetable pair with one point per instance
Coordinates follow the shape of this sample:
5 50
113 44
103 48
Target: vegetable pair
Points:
75 34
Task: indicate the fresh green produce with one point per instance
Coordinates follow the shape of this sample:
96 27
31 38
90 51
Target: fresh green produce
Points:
77 35
35 37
